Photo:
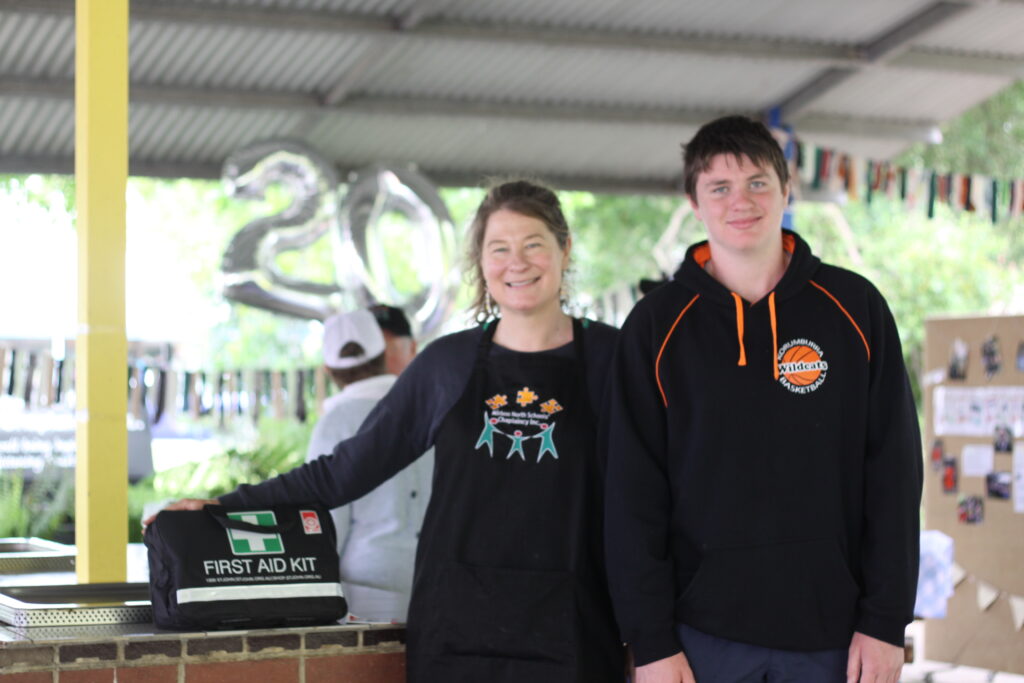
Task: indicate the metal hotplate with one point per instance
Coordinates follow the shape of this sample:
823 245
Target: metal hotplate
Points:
26 555
66 605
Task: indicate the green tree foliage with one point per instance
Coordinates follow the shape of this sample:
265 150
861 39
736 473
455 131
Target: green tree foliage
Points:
614 238
279 446
53 193
987 139
197 220
954 264
38 506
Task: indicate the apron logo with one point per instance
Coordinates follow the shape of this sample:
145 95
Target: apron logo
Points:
524 425
550 407
495 402
525 396
251 542
802 368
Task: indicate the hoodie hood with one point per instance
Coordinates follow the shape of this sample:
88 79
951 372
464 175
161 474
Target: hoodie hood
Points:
802 266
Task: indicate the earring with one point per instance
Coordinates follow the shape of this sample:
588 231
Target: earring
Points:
490 308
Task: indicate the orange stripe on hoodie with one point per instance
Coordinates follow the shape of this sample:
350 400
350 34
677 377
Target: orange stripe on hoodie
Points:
657 361
847 314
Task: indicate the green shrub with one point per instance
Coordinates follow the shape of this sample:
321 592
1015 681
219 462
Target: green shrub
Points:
279 447
39 507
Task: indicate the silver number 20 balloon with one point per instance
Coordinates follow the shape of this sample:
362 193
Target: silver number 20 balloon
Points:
391 235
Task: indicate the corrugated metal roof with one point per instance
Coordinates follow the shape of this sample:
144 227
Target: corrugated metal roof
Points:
240 58
994 28
36 46
36 128
181 134
827 21
908 94
506 73
587 92
505 146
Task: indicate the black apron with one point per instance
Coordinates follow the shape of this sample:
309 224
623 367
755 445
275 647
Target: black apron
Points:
510 584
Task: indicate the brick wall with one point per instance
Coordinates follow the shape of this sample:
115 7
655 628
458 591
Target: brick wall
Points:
339 654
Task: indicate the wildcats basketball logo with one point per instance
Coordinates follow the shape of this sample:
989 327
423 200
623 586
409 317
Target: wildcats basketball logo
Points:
802 368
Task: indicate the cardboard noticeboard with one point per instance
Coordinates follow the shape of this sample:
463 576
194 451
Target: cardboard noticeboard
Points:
974 415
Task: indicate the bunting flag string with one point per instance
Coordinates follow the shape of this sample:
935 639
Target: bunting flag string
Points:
159 394
959 574
987 595
821 168
1017 610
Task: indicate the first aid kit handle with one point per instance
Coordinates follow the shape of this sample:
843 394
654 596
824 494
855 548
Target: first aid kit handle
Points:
220 514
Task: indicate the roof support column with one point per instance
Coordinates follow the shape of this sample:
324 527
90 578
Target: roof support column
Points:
101 349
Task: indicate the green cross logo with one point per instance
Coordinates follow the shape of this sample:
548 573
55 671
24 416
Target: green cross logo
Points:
251 542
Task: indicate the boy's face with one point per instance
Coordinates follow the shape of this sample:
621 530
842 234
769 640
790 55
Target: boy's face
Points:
740 204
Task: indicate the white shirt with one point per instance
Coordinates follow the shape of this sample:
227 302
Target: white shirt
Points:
377 534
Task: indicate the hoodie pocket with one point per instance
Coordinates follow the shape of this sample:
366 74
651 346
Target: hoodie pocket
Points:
797 595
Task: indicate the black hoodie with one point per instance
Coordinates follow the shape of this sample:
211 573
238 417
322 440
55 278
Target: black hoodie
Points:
764 467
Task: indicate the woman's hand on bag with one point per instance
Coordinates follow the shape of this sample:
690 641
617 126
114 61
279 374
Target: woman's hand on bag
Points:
183 504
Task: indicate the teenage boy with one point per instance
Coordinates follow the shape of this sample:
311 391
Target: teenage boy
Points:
764 467
364 351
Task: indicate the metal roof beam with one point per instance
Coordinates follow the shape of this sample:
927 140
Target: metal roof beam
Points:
894 40
444 178
418 12
416 106
160 94
959 62
336 22
892 45
897 39
413 106
281 19
379 48
903 131
794 103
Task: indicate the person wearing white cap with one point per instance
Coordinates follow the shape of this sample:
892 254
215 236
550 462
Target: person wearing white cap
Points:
363 351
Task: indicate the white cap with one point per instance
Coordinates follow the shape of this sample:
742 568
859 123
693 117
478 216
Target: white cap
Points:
358 326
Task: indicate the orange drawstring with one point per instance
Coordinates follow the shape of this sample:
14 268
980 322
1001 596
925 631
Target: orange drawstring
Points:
775 334
739 328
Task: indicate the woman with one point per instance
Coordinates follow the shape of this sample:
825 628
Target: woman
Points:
509 583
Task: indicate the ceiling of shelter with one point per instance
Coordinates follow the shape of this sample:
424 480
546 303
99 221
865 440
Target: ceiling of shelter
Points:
590 94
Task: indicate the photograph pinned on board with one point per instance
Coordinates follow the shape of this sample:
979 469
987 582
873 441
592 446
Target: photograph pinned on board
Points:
1020 357
970 510
950 475
938 454
1004 439
997 485
991 357
958 353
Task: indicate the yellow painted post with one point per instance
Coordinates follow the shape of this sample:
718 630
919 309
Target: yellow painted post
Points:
101 174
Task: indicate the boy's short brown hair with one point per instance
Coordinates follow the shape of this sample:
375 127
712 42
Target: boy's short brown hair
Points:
736 136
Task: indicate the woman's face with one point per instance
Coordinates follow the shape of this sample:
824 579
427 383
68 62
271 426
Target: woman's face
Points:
522 263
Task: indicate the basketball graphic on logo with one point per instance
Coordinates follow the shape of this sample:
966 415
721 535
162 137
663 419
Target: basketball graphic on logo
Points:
802 366
801 363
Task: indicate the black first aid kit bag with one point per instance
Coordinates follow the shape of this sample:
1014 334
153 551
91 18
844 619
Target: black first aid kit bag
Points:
230 568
